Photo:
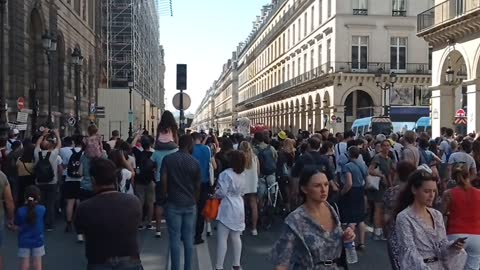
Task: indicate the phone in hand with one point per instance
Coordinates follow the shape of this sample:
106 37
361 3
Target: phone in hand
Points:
461 239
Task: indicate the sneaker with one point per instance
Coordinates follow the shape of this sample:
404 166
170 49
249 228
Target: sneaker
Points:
199 241
379 237
209 229
49 229
150 227
80 238
141 228
254 232
158 234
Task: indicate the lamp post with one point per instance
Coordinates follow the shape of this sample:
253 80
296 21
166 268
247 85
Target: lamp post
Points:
130 112
77 60
50 46
3 90
385 86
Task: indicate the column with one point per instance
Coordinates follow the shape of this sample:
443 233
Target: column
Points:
443 108
473 110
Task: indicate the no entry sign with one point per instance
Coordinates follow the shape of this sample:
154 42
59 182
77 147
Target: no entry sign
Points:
20 103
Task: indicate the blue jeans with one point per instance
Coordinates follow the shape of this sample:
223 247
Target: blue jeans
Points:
117 266
181 227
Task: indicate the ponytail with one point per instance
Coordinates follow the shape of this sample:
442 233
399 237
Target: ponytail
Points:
31 214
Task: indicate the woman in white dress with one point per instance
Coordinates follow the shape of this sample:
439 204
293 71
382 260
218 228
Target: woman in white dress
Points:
231 214
252 168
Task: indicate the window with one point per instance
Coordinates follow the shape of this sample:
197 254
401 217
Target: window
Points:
359 52
288 72
283 75
312 19
329 52
329 8
283 43
312 59
360 7
398 53
319 55
430 52
288 36
299 65
305 26
320 10
293 69
399 8
460 7
299 28
305 63
293 34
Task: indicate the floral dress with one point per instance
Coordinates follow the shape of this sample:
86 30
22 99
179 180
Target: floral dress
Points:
304 244
418 241
390 200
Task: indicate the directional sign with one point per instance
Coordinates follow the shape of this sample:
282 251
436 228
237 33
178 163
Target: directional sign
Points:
20 103
93 109
72 121
22 117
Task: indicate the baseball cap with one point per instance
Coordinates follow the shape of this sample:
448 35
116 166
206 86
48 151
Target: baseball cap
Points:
282 135
381 138
15 131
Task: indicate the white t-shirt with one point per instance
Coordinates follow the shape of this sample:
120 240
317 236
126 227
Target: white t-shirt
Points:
55 161
126 175
462 157
446 149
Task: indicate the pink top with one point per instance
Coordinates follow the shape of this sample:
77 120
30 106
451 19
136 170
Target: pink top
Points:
165 137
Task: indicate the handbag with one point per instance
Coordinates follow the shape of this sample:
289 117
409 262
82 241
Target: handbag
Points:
210 211
372 182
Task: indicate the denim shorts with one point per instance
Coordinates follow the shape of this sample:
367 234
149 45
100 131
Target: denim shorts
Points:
31 252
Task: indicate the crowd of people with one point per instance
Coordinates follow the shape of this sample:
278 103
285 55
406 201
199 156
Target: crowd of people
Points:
417 193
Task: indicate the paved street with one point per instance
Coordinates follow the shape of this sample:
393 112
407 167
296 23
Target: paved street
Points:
64 253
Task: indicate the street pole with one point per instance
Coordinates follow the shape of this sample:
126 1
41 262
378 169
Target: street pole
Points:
130 127
3 91
49 60
181 112
145 113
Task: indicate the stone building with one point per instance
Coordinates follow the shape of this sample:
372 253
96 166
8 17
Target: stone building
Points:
452 28
73 24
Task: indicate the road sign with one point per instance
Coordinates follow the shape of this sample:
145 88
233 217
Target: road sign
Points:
93 109
20 103
339 120
186 101
72 121
333 117
460 113
100 111
22 117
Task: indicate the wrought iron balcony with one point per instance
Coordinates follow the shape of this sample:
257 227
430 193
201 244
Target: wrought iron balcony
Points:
360 11
399 13
444 12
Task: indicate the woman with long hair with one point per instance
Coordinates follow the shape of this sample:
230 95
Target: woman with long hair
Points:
167 132
221 157
420 230
313 237
26 171
462 209
125 172
30 226
390 200
285 160
252 169
231 213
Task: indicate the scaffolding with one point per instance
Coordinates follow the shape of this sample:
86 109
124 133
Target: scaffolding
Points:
132 46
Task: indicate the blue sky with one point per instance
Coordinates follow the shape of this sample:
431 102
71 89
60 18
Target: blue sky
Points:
203 35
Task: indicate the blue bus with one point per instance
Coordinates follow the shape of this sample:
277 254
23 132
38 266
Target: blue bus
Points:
373 125
424 124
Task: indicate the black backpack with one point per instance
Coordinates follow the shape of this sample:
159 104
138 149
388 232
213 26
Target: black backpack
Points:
146 169
268 165
43 169
73 167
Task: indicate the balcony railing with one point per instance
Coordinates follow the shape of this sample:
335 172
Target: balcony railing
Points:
335 67
360 11
399 13
444 12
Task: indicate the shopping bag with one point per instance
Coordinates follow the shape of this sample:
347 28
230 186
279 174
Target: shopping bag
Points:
210 211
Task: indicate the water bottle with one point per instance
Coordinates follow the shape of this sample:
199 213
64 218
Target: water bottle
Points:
350 252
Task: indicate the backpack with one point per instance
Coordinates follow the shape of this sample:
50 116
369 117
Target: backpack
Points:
43 169
268 165
93 147
73 167
146 168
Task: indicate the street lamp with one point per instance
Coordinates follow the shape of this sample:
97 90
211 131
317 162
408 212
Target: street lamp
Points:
49 44
449 75
77 60
130 112
385 86
3 90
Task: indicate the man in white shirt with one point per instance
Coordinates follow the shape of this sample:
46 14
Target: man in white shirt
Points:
48 145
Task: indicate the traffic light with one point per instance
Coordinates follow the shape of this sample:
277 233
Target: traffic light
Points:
181 77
